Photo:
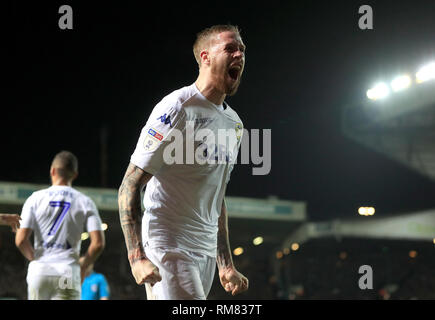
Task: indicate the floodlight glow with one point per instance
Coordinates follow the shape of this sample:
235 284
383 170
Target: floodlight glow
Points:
412 254
426 73
295 246
257 241
84 236
401 83
279 254
104 226
286 251
366 211
238 251
379 91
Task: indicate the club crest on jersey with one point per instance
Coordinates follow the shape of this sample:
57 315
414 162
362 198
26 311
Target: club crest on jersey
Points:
165 119
152 140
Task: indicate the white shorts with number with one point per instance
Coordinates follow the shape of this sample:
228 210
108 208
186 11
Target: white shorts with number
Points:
53 282
185 275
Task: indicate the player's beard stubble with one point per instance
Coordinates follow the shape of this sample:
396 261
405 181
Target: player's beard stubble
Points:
225 83
232 88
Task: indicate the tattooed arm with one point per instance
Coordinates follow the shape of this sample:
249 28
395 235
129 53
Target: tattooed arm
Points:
232 280
130 215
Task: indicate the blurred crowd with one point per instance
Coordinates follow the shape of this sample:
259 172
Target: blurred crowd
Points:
330 269
319 269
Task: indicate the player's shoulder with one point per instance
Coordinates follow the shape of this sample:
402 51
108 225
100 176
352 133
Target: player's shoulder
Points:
177 98
38 194
85 199
99 276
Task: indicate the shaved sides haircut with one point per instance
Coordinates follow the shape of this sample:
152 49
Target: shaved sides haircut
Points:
66 164
203 38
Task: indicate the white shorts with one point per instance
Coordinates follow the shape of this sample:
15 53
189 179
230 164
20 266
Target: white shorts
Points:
44 282
185 275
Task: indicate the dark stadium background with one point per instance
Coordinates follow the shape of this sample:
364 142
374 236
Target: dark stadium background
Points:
304 61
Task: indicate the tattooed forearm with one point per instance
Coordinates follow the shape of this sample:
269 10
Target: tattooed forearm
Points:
224 258
130 211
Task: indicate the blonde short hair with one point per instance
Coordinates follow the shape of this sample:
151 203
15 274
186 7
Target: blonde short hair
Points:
203 37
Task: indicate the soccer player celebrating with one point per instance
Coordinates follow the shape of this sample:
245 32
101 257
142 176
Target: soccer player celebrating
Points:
58 215
174 249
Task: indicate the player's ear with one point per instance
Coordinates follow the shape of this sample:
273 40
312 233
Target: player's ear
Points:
74 176
52 171
205 58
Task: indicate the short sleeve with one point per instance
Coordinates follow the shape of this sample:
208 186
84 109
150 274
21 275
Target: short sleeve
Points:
28 214
168 119
93 220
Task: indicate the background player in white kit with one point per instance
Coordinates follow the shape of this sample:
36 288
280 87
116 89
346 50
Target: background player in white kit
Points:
57 216
184 231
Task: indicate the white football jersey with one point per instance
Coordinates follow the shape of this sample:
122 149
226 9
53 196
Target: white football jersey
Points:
183 199
58 216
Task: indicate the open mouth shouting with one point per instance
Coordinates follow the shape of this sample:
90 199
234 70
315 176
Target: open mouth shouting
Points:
235 71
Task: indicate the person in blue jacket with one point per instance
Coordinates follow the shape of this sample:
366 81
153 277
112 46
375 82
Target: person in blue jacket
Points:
95 286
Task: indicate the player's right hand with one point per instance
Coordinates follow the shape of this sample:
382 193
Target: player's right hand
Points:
145 271
12 220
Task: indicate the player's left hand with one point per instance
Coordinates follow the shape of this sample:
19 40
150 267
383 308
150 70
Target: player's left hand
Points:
12 220
233 281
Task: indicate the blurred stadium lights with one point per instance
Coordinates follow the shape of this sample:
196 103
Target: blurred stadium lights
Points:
366 211
426 73
104 226
238 251
413 254
279 254
382 90
286 251
295 246
257 241
400 83
379 91
85 236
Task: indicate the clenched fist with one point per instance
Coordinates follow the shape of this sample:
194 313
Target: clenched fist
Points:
145 271
233 281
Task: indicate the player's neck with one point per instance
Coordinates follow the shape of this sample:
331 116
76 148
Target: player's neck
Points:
60 182
207 88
